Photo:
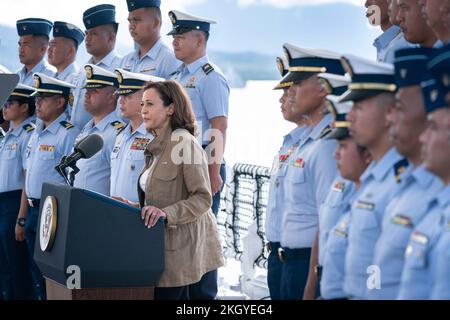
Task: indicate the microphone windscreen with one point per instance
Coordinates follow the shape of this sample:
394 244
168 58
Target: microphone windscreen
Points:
90 145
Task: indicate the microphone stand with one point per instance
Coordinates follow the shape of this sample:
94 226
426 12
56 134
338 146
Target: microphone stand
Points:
61 169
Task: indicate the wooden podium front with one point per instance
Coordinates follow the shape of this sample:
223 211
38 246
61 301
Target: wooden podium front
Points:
55 291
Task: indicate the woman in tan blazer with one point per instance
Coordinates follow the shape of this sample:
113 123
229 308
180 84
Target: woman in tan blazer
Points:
174 184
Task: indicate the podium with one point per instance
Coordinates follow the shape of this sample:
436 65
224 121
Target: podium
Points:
89 246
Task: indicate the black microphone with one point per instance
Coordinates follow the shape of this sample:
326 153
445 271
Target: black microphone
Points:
85 149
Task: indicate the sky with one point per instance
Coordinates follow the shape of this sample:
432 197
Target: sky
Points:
244 25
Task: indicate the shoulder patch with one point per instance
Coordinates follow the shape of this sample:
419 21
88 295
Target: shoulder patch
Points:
399 168
118 125
207 68
66 124
325 131
29 127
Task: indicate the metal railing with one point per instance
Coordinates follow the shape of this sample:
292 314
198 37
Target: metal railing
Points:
244 201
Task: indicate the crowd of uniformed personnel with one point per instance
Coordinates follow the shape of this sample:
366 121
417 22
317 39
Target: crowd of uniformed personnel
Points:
359 192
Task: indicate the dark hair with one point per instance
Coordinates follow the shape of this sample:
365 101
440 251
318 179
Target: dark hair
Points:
172 92
29 101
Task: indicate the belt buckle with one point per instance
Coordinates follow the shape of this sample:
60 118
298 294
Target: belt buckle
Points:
281 254
30 203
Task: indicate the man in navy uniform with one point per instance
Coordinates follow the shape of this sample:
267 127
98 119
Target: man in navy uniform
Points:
100 101
152 56
100 41
373 92
411 205
62 51
15 276
209 93
52 139
33 44
311 168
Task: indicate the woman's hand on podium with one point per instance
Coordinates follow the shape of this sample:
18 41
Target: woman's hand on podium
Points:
128 202
151 215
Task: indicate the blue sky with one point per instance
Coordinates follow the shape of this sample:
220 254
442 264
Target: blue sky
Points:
244 25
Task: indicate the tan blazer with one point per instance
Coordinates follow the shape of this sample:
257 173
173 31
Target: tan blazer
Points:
183 192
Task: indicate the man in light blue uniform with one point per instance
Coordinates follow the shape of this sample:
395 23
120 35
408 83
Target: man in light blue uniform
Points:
334 214
420 271
209 93
335 86
411 204
275 202
100 102
33 44
372 91
127 158
436 19
15 276
311 168
152 56
52 139
62 51
100 41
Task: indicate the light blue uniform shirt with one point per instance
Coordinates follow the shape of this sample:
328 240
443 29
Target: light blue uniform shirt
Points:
95 172
401 216
419 271
12 156
333 261
390 41
209 92
79 116
42 67
379 186
441 287
336 204
160 61
127 161
310 173
45 149
70 74
275 203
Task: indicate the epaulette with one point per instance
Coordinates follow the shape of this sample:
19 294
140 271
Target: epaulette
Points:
29 127
119 126
173 73
207 68
399 168
66 124
325 131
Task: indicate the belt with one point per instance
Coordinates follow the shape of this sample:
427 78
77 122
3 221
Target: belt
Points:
34 203
10 194
272 246
286 254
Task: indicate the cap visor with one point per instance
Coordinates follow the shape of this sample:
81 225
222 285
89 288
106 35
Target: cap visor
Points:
358 95
337 134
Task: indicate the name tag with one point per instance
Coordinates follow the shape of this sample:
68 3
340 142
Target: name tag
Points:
340 233
365 205
419 238
11 147
47 148
148 70
402 220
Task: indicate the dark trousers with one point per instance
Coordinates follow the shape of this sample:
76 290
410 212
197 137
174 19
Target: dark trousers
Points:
274 272
295 272
15 276
174 293
206 288
30 231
